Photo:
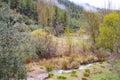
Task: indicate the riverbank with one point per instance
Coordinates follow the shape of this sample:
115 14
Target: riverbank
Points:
84 72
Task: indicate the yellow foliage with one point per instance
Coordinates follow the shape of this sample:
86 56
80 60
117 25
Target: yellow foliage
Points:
41 34
38 33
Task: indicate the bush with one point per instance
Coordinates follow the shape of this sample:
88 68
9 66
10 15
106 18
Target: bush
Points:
101 56
73 74
28 59
84 79
50 75
75 64
86 74
11 57
49 67
109 32
87 71
33 27
65 64
11 66
44 44
61 77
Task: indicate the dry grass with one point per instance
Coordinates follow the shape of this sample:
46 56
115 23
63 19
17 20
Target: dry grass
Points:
66 62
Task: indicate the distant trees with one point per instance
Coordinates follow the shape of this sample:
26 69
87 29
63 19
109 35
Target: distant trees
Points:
49 15
26 7
110 32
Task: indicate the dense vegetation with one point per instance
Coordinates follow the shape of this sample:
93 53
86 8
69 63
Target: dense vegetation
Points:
43 33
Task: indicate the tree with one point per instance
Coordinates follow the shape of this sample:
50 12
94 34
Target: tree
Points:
93 23
45 13
56 15
56 22
65 20
11 63
109 32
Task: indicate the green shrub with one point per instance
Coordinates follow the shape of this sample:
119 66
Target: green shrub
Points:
33 27
1 4
102 66
11 66
73 74
100 72
87 71
28 22
110 69
101 62
84 79
86 74
50 75
61 77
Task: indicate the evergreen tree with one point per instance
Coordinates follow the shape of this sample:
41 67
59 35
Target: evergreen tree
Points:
65 20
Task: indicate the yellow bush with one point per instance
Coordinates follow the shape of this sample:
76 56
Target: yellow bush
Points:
44 44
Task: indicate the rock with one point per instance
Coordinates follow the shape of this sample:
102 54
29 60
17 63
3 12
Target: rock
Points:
42 76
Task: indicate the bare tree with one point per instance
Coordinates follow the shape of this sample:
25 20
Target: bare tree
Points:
93 25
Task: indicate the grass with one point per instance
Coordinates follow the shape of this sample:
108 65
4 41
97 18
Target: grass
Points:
73 74
49 68
61 77
106 76
65 62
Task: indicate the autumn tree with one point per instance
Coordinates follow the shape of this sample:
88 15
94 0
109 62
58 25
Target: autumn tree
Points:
109 32
45 12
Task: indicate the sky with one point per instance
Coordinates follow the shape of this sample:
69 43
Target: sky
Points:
115 4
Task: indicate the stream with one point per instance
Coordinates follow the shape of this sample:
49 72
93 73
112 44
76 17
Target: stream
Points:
44 75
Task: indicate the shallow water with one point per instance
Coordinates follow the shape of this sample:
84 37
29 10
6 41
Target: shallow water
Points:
67 71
